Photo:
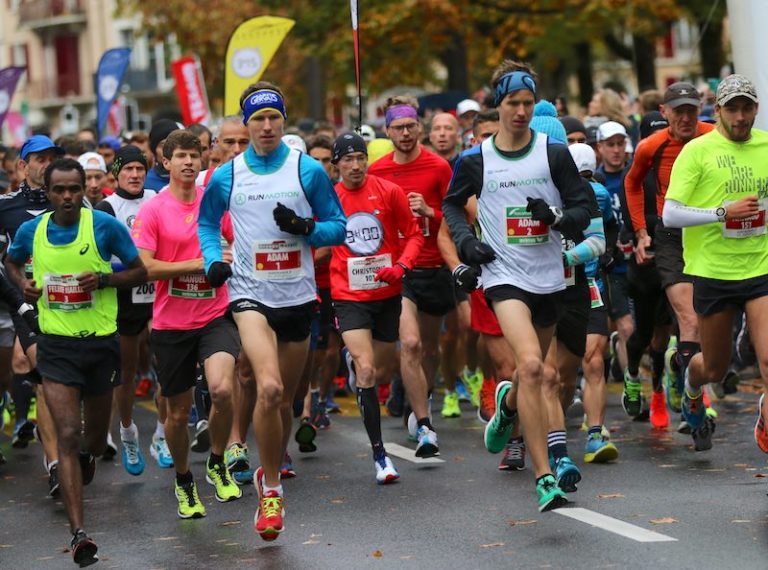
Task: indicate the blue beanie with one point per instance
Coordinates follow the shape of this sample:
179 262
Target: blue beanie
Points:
545 121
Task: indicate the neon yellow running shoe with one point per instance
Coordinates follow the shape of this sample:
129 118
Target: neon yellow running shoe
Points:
451 407
226 489
190 506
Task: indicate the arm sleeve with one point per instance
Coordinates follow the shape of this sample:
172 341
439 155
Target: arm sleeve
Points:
331 223
677 215
576 201
466 182
212 208
21 247
592 247
409 228
633 184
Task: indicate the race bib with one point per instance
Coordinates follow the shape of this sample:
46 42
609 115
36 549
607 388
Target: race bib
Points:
747 227
64 293
143 294
522 229
595 298
277 259
28 267
570 276
362 270
627 249
191 287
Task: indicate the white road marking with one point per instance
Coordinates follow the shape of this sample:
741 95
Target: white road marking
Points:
409 454
613 525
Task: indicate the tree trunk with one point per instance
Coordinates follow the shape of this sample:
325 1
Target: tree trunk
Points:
584 72
711 49
454 57
645 62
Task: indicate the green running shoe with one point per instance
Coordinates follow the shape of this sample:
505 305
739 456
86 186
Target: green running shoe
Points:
550 495
672 381
451 407
190 506
632 398
498 430
219 476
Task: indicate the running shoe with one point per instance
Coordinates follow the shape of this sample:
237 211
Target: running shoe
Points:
683 426
53 480
550 495
462 392
710 409
110 452
351 376
331 405
498 430
190 506
219 476
487 400
568 475
193 416
427 446
761 435
87 466
268 520
599 449
159 450
4 398
133 458
286 469
731 382
674 396
305 436
474 382
659 414
576 409
385 470
614 367
83 549
23 433
382 392
632 398
320 417
396 401
201 443
236 456
143 388
514 457
451 407
702 435
244 477
694 409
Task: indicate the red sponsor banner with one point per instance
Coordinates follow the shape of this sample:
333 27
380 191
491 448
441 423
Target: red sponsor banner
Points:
190 88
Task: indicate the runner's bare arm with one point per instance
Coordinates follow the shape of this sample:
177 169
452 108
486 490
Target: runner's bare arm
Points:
445 242
157 269
18 276
134 274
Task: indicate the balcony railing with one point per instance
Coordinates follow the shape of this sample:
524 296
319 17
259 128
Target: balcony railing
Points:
46 13
60 87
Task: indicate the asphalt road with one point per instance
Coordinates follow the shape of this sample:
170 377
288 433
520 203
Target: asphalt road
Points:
707 510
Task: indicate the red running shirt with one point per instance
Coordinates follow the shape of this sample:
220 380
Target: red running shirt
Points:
377 214
428 175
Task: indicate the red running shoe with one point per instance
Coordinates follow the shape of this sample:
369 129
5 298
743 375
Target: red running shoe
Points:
659 414
268 520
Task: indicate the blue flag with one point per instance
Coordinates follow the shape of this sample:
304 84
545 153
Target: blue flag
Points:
109 76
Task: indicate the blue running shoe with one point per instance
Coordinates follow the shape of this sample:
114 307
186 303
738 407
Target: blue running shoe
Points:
133 458
694 410
462 392
192 421
159 450
599 449
568 475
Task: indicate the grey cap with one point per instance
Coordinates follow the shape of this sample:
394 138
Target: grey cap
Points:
735 85
681 93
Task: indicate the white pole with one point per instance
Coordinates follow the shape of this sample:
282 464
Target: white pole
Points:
749 44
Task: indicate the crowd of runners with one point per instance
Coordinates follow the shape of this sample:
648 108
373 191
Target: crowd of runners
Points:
501 257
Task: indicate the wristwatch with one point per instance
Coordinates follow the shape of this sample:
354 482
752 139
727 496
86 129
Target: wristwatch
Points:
558 213
721 212
103 280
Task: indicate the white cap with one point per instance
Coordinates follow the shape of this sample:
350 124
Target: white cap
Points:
295 141
367 132
610 129
92 161
466 106
583 156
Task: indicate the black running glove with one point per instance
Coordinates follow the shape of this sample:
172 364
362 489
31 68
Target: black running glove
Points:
218 273
287 220
540 211
475 252
466 278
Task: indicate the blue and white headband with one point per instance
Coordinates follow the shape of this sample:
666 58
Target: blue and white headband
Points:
513 81
263 100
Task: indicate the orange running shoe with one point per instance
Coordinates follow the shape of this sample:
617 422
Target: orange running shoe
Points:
268 520
659 414
761 436
487 400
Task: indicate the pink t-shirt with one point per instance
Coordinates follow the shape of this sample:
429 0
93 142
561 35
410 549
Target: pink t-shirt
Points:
169 228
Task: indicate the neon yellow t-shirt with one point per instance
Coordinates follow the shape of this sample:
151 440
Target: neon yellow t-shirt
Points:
713 171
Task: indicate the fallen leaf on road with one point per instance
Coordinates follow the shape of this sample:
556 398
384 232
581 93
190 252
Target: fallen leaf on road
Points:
323 477
492 545
230 523
611 496
164 538
409 557
665 520
458 458
761 475
377 554
741 464
740 521
513 522
311 541
338 501
667 465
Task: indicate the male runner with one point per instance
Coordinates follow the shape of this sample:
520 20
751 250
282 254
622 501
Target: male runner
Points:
428 291
282 203
522 183
190 321
366 278
717 193
78 355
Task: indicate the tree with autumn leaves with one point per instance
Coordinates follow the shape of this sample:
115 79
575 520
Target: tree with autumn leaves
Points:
446 44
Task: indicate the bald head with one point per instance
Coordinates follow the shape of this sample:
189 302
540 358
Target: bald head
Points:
444 135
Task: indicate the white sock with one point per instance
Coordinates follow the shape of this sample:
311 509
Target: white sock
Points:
267 488
130 433
160 430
